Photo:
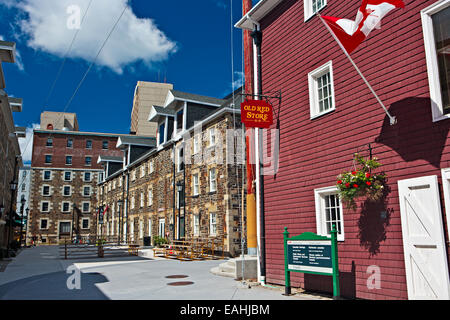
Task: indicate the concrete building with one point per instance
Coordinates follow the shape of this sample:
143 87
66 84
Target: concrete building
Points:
51 120
146 95
181 185
9 150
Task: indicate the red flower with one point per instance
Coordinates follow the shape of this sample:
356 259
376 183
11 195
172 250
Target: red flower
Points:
368 183
347 184
353 172
355 186
339 182
367 175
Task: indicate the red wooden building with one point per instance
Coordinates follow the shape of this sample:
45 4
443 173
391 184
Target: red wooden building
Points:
328 113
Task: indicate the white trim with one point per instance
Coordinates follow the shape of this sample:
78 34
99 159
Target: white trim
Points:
446 187
308 11
89 223
320 219
313 94
40 223
432 63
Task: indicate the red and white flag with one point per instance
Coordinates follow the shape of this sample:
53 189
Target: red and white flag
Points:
106 209
352 33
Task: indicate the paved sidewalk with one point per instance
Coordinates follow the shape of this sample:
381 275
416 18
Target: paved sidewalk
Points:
38 273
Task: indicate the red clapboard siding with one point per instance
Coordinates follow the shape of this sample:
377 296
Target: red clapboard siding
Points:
314 152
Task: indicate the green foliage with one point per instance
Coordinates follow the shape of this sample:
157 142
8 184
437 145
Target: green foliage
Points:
361 182
159 241
101 242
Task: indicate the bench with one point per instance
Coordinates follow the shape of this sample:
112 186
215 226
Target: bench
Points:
133 249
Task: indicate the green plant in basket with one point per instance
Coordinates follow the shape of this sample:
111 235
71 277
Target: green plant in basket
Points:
361 182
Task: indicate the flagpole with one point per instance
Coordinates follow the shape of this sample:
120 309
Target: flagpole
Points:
393 120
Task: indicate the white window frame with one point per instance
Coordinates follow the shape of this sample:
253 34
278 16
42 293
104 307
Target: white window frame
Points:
196 186
150 197
40 224
212 225
196 143
89 223
319 195
48 206
180 159
132 202
142 199
90 191
431 59
49 190
82 206
211 189
84 176
151 166
313 90
143 170
212 137
70 190
308 8
161 227
43 175
62 206
196 225
141 229
64 176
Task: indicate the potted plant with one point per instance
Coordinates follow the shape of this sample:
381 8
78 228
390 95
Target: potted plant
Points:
361 182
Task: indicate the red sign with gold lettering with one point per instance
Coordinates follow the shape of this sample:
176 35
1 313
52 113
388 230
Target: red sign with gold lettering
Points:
256 113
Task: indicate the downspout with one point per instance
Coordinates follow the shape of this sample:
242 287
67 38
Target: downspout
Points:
257 38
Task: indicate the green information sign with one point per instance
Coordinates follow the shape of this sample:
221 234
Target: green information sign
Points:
311 253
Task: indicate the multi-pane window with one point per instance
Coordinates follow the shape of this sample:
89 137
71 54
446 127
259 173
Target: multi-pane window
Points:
312 7
67 176
87 176
212 224
212 136
70 143
195 182
44 224
180 119
196 225
105 145
196 143
321 90
180 159
143 171
86 206
45 190
150 197
436 31
48 158
65 206
64 227
142 199
88 161
151 166
49 142
132 202
45 206
161 132
88 144
329 212
66 191
47 175
85 223
86 191
141 229
69 160
212 180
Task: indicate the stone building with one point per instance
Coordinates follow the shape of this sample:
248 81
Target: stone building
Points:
9 149
64 178
185 185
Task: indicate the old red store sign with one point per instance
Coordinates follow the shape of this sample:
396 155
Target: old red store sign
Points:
256 113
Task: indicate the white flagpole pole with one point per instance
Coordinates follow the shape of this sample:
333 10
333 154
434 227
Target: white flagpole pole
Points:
393 120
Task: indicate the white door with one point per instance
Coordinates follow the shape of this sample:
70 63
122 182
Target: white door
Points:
423 239
162 223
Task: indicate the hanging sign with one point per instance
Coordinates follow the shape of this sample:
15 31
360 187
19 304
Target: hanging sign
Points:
256 113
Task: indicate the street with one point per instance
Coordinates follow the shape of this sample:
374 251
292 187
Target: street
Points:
38 273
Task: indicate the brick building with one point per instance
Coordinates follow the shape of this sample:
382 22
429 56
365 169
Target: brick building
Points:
327 114
192 196
64 178
9 149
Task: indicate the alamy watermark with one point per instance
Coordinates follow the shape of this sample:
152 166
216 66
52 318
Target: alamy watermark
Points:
73 21
74 280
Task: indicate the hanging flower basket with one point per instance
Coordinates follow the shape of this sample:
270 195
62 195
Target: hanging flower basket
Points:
361 182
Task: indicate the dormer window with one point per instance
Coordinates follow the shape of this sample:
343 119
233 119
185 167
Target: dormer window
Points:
180 120
161 131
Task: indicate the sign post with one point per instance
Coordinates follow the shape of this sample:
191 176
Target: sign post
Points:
311 253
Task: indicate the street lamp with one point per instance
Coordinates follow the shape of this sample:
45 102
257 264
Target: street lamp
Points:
179 189
119 203
13 188
22 201
26 225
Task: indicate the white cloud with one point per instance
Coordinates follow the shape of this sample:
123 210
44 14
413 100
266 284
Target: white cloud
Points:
26 144
45 25
238 80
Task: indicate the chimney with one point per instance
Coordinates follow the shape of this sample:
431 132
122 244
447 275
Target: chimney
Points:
248 51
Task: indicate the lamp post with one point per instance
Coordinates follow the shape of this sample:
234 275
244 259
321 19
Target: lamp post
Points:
119 203
22 202
27 210
13 187
179 189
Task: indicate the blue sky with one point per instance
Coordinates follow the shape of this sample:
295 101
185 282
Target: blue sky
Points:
186 43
